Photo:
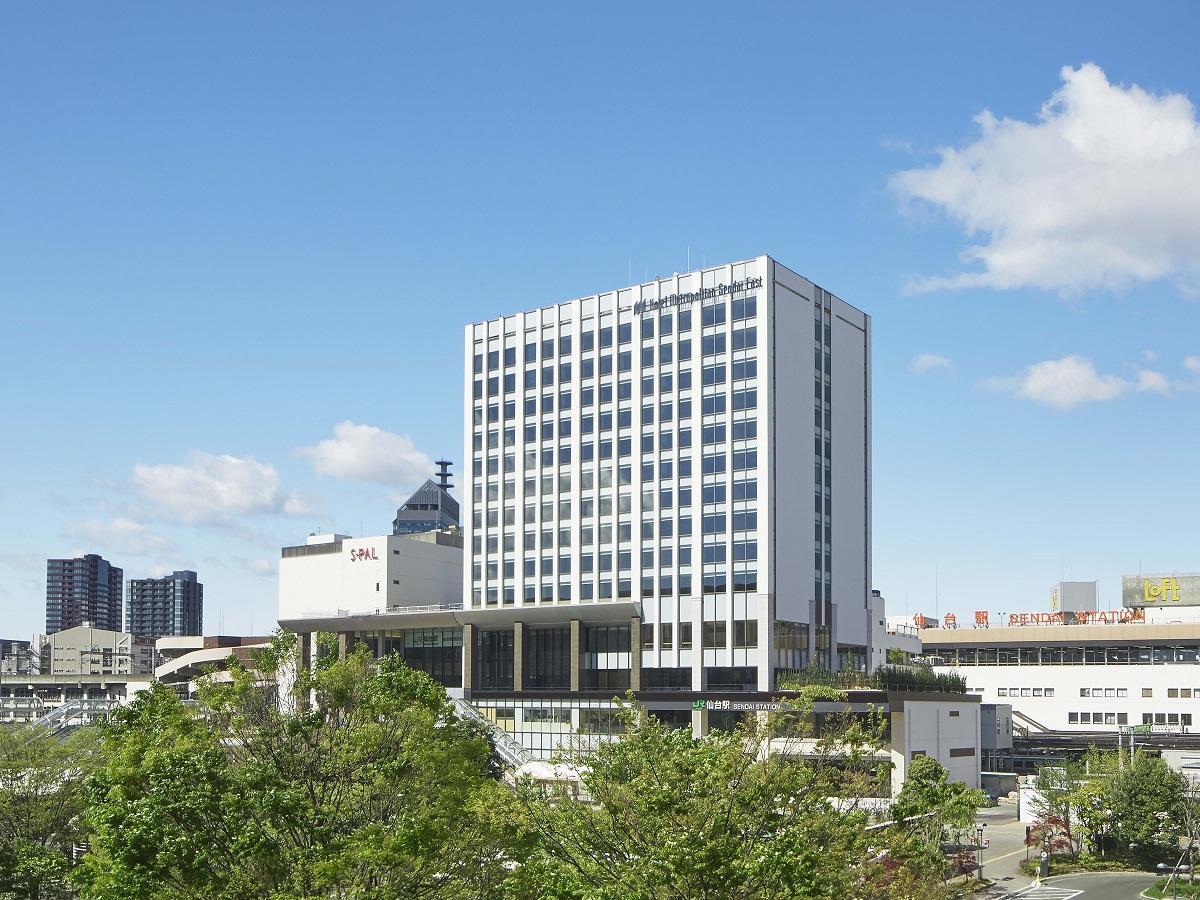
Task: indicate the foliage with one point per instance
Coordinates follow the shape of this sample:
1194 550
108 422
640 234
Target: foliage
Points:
377 791
1054 828
918 678
1181 888
930 808
717 817
1136 806
1084 862
891 677
1146 799
41 798
897 657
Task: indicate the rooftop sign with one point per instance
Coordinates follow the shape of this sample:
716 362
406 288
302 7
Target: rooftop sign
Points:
1080 617
1141 591
720 290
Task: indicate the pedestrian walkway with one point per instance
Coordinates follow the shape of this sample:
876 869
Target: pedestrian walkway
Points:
1045 892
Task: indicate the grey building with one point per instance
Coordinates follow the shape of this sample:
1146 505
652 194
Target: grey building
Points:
86 589
84 650
169 606
430 508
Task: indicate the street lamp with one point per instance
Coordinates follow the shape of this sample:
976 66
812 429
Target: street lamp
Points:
979 844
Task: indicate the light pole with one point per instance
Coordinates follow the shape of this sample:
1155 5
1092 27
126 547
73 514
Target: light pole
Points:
979 843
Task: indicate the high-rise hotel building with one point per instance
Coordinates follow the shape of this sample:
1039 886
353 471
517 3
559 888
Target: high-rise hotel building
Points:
669 486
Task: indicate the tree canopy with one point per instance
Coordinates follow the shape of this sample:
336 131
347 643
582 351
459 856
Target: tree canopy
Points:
41 801
377 791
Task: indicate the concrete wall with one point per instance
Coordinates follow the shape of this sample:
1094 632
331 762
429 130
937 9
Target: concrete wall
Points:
937 728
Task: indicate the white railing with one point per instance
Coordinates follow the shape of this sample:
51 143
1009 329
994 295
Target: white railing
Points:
388 611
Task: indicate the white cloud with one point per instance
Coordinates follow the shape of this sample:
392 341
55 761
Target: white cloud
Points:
367 453
213 490
1156 382
1149 356
927 362
121 535
1192 364
1098 193
1061 383
259 567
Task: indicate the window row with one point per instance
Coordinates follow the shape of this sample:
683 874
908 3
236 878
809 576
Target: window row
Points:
1025 692
607 589
741 308
714 635
1059 656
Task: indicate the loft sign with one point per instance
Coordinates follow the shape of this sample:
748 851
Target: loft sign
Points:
359 554
687 299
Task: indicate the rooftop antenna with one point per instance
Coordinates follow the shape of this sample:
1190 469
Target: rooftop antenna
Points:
443 474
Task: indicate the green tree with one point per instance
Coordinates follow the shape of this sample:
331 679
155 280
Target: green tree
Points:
930 808
1147 802
897 657
377 791
1054 828
672 816
41 799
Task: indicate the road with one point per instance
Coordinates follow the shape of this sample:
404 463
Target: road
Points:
1006 851
1088 886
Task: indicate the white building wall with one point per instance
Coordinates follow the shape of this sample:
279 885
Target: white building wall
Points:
1050 694
851 546
941 729
370 574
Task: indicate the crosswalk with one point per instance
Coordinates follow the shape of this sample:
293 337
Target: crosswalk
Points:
1046 892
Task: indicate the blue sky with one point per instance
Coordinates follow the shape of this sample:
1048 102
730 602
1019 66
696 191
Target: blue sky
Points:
225 230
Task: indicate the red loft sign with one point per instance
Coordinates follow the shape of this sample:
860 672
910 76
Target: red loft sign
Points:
362 553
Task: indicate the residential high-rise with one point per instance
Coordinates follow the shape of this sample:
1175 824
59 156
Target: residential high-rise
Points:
692 454
83 590
172 605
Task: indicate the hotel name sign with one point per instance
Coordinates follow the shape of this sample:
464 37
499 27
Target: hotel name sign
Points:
691 297
1141 591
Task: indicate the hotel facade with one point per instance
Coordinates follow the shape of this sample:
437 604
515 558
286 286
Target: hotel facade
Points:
688 459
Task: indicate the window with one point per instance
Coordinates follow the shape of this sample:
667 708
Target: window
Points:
1147 692
745 338
714 635
745 633
713 315
744 308
745 399
685 628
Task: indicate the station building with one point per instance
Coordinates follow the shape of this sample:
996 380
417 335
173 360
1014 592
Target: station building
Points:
1087 671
